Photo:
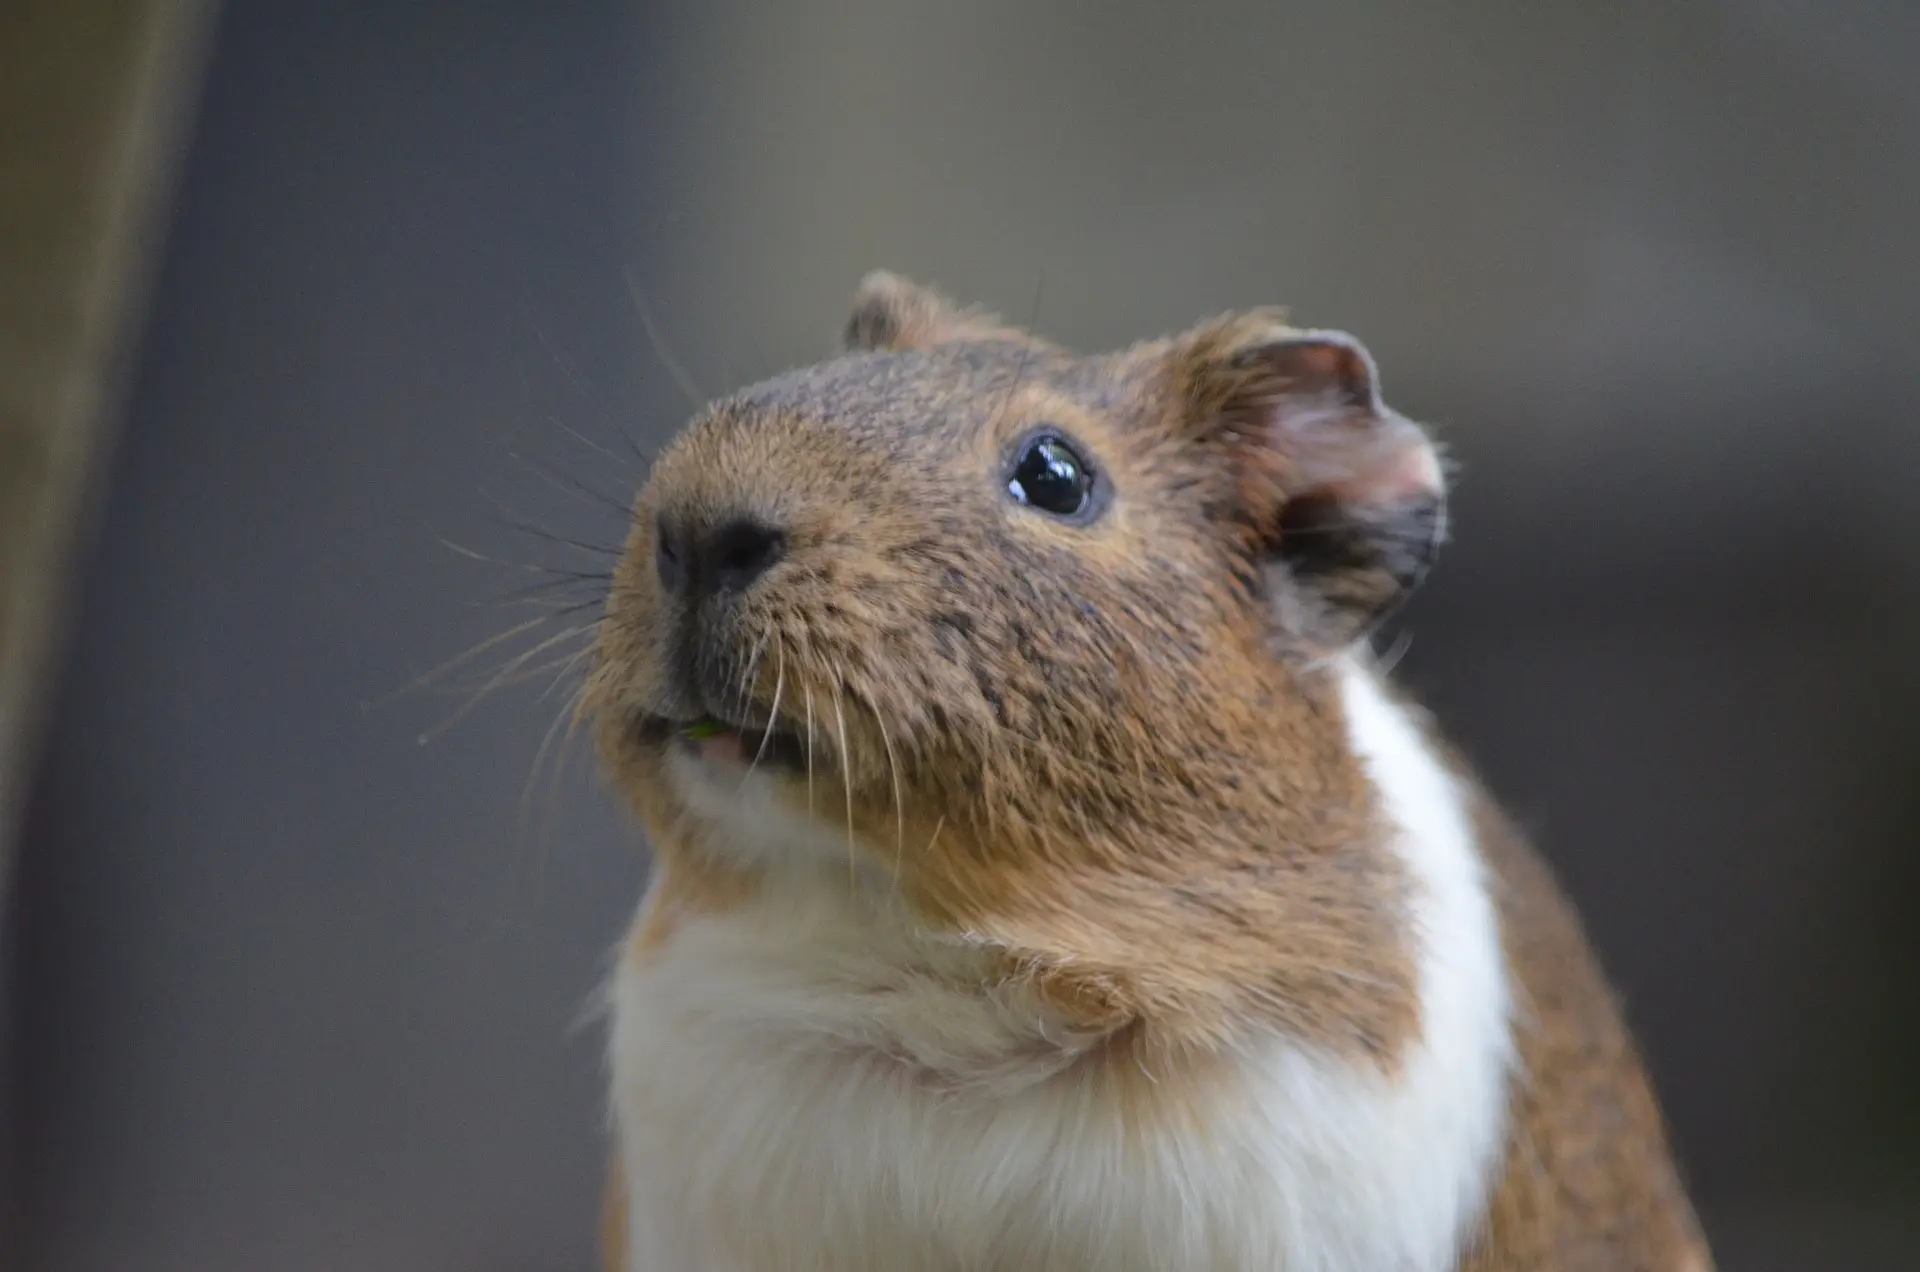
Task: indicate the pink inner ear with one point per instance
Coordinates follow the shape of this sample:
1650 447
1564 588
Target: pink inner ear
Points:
1351 455
1327 366
1328 363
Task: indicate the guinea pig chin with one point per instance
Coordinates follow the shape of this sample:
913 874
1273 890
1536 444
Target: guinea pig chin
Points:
703 700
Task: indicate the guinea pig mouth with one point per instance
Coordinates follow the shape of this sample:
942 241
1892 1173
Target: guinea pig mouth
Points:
713 738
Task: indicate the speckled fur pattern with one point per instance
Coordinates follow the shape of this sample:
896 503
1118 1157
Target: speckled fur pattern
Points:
1118 916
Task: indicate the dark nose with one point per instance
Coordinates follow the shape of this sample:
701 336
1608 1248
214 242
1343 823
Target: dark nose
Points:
727 558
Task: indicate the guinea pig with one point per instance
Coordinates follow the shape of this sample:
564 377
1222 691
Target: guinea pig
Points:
1046 878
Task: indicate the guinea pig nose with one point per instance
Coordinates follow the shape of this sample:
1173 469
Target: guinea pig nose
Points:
739 552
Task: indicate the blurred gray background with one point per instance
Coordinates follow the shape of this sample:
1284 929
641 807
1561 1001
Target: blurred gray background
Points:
291 989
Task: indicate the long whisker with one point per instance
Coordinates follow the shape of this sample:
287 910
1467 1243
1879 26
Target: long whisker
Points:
598 551
596 447
557 666
569 369
555 606
660 350
517 521
502 679
809 692
556 576
539 758
893 774
773 714
548 755
566 666
458 660
743 692
525 566
568 485
574 712
846 780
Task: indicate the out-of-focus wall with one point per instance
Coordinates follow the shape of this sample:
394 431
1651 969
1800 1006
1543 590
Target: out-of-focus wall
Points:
297 989
92 98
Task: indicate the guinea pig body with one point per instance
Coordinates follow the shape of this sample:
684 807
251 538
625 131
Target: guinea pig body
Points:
1045 878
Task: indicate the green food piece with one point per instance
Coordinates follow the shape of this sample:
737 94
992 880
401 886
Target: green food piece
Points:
700 730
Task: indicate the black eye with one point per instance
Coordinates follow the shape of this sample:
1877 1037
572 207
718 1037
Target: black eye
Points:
1049 474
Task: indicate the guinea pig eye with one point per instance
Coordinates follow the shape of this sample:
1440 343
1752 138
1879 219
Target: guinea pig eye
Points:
1050 475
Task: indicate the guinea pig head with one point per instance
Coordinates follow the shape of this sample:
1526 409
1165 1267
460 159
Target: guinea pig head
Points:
1008 626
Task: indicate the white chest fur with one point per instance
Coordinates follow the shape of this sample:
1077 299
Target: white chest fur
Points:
766 1124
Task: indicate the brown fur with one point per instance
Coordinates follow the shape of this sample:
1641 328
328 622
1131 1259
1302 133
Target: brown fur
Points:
1109 751
1588 1181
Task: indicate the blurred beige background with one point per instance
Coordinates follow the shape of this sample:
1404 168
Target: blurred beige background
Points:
292 990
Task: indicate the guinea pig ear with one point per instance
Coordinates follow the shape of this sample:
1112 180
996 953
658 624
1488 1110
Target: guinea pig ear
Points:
1345 499
895 313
